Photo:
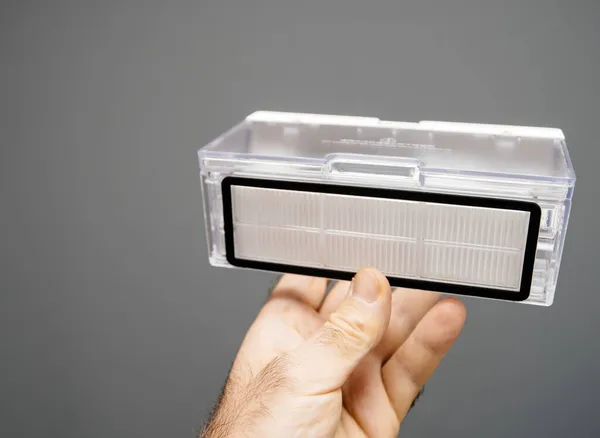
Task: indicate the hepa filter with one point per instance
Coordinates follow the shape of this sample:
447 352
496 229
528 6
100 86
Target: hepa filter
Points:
454 244
464 209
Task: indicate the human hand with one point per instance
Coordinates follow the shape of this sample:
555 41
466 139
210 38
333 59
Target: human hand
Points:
347 366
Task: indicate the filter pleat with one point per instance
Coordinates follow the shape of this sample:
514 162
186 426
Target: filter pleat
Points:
458 244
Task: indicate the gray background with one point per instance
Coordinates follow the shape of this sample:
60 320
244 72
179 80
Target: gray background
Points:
112 322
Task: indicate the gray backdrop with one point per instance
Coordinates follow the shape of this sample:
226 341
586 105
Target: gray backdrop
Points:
112 322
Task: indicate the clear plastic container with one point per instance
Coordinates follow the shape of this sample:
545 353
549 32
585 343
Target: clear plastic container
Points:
465 209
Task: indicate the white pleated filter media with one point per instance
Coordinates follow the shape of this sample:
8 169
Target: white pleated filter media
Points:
447 243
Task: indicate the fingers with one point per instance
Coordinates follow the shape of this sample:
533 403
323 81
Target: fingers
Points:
308 290
332 301
328 357
413 364
366 400
409 306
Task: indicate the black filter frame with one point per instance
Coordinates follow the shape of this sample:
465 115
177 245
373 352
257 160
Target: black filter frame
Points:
533 208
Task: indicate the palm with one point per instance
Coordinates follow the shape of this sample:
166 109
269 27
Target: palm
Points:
376 397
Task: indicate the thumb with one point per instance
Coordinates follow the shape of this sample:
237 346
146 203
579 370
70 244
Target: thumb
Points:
326 359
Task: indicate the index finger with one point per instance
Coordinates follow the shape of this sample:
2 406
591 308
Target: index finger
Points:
415 361
301 288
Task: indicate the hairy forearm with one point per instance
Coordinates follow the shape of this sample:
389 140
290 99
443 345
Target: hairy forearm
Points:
244 400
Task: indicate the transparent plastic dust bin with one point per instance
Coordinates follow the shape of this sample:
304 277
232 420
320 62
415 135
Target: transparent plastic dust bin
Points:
464 209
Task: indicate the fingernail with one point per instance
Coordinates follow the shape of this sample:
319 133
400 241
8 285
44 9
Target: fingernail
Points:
365 286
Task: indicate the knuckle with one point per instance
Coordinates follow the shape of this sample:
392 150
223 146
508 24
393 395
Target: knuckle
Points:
332 337
349 331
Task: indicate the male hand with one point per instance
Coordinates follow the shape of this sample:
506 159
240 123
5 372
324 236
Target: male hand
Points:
349 365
